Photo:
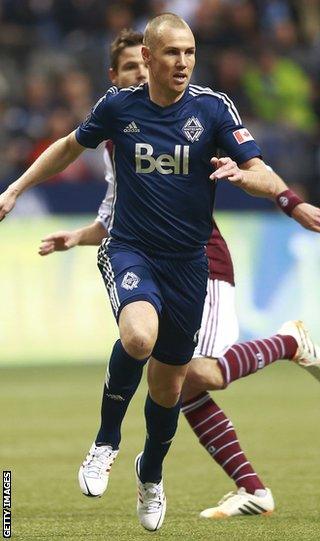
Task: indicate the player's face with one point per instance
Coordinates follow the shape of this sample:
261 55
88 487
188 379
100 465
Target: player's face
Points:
131 68
171 60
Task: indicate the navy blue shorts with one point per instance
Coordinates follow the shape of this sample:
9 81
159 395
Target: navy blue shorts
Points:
175 287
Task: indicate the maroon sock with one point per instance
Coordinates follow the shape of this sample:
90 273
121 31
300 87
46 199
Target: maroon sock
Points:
217 435
246 358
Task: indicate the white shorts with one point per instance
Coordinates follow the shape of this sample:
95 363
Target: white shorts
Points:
219 325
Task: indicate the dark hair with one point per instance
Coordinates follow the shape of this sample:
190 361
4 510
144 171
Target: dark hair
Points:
126 38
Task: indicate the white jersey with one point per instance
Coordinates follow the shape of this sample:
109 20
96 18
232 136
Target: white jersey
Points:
105 210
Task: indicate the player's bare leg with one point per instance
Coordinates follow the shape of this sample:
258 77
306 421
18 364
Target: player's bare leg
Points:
138 325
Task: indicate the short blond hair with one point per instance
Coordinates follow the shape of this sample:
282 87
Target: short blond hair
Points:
153 27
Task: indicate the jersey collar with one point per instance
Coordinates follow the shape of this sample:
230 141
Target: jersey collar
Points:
169 108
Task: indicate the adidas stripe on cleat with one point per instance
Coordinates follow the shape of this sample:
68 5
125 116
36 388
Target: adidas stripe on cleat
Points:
241 503
93 474
151 502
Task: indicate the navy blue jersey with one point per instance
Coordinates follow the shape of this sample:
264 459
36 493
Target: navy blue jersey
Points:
163 195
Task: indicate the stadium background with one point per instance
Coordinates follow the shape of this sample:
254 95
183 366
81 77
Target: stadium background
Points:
54 311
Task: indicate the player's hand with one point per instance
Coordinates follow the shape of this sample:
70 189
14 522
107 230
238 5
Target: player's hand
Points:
308 216
226 168
59 242
7 202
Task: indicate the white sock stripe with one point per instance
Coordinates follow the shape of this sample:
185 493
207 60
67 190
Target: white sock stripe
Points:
196 404
274 345
231 458
267 348
254 355
246 475
217 437
207 419
238 359
227 369
281 344
239 468
246 357
224 446
213 428
261 352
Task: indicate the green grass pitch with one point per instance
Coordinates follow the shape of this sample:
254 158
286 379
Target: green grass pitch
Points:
49 416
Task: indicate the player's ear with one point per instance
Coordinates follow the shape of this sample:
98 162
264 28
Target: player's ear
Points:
145 51
113 76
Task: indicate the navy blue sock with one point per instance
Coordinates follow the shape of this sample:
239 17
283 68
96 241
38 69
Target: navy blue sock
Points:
161 427
125 374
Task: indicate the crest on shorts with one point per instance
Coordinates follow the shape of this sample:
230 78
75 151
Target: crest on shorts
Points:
192 129
130 281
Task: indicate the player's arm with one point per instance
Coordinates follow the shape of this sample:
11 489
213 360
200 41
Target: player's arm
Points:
253 176
256 179
90 235
52 161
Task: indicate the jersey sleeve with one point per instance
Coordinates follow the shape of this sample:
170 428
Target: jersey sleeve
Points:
97 127
105 209
231 136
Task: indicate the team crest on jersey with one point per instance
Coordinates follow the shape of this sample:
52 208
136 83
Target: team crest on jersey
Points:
130 281
192 129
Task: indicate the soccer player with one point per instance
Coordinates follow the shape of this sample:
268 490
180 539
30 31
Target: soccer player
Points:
154 264
219 328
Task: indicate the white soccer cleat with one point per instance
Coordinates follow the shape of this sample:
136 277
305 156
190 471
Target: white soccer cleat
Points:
241 503
151 503
94 472
308 353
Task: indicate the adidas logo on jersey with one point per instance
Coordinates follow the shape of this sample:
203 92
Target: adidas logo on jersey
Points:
132 128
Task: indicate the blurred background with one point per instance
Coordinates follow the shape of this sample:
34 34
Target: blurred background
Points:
265 54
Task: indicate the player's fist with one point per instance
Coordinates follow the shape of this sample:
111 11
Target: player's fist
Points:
58 242
308 216
7 202
226 168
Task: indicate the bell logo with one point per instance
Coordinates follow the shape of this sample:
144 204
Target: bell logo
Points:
165 164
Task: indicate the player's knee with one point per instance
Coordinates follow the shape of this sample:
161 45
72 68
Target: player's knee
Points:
166 396
138 344
205 375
